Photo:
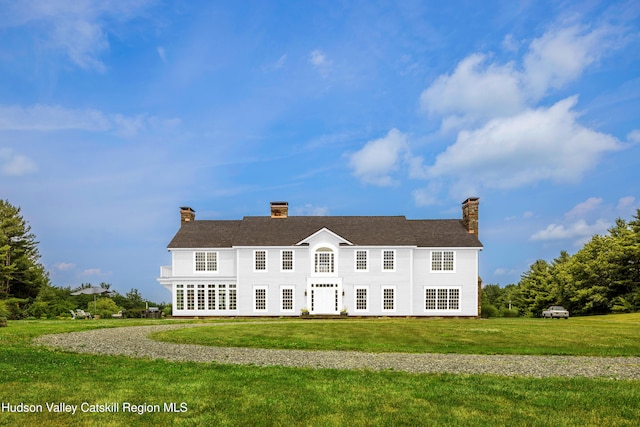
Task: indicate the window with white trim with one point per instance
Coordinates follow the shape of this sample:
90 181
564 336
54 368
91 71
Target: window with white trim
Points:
441 299
222 297
179 297
206 261
190 297
287 260
361 261
286 298
233 297
442 261
324 262
260 260
362 300
388 298
200 297
260 298
211 297
388 260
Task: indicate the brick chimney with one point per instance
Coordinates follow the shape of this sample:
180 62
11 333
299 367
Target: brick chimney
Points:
187 214
470 214
279 209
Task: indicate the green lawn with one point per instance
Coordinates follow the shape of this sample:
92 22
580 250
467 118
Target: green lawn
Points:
247 395
615 335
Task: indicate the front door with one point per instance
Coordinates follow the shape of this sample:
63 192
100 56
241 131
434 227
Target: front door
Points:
325 298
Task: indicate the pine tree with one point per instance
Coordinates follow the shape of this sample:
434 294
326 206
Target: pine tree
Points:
21 275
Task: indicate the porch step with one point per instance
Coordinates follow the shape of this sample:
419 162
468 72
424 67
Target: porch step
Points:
323 316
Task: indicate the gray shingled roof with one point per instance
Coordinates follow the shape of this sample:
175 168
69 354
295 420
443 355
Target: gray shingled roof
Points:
359 230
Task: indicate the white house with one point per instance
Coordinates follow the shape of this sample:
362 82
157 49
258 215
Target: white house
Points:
279 265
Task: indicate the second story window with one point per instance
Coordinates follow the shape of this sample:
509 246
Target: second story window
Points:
324 261
442 261
260 260
361 260
388 260
206 261
287 260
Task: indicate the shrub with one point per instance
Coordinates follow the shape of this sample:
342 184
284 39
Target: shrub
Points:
134 313
104 307
489 310
3 314
167 310
505 312
14 308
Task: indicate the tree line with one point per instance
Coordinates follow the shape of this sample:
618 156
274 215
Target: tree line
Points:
602 277
25 287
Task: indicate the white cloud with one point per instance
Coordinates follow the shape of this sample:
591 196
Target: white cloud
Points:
535 145
14 164
501 271
92 272
47 118
626 202
475 91
319 60
79 28
51 118
560 56
374 162
510 44
310 210
581 209
162 53
634 136
64 266
580 231
480 89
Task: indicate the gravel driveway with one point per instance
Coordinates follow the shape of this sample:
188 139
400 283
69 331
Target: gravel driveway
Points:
133 341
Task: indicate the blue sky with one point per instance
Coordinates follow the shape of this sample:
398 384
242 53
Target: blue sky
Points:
113 114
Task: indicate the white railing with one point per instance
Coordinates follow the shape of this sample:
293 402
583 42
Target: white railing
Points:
166 271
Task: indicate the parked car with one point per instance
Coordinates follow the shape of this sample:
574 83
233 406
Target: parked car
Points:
555 311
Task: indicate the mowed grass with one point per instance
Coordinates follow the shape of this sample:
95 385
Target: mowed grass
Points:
230 395
614 335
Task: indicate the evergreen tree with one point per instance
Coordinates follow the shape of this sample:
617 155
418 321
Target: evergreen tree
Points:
21 275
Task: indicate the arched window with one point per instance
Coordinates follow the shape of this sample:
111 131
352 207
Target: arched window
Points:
324 261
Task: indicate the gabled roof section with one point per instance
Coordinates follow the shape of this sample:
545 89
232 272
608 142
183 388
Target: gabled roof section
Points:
359 230
356 230
205 234
443 233
325 230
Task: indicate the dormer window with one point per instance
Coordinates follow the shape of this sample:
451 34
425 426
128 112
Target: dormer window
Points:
324 262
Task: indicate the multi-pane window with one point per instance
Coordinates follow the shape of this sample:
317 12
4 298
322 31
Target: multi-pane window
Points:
430 299
388 299
324 261
287 260
190 297
442 299
443 302
442 261
222 297
361 260
454 299
286 299
259 299
388 260
260 260
206 297
179 297
362 302
206 261
211 295
200 297
233 298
